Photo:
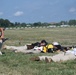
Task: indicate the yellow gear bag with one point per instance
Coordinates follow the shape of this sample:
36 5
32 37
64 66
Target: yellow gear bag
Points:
44 49
49 46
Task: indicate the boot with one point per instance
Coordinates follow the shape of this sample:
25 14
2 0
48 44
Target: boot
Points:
35 59
48 60
4 39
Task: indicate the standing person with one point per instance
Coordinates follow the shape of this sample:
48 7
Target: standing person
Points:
2 33
2 39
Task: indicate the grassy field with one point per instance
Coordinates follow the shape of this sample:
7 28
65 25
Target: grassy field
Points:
20 64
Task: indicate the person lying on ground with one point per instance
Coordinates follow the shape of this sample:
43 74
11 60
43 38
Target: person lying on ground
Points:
61 57
37 47
27 48
30 48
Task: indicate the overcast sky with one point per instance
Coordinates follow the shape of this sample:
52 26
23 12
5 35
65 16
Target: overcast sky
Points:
30 11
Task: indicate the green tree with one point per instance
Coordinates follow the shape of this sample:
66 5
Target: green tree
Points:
72 22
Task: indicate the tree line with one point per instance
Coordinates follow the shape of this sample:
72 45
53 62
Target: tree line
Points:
7 23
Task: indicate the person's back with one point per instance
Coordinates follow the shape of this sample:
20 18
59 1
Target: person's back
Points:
57 46
50 48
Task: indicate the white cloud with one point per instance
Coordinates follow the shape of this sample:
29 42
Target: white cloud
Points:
72 10
1 13
18 13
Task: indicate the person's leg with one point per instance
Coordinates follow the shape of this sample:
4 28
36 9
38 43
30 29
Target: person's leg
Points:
69 56
32 51
54 58
23 51
48 60
57 57
36 58
4 39
40 58
15 47
1 43
9 47
43 58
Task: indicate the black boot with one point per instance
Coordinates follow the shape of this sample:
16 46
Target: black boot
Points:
4 39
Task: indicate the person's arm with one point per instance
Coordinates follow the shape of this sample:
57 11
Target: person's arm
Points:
2 33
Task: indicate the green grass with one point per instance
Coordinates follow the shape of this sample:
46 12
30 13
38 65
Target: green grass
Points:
20 64
30 35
